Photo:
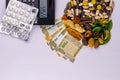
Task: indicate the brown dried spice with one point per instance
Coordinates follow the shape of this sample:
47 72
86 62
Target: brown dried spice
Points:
96 45
85 42
64 17
88 33
91 42
76 20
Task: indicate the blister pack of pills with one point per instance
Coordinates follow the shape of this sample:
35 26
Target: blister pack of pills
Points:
46 14
18 20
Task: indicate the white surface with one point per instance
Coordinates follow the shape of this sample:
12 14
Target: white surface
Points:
33 60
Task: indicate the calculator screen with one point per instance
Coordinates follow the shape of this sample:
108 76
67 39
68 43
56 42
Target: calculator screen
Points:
43 9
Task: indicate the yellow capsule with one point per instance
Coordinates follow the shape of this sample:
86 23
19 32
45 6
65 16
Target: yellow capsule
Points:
93 1
99 7
85 3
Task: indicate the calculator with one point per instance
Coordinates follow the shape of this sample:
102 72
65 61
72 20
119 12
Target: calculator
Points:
46 14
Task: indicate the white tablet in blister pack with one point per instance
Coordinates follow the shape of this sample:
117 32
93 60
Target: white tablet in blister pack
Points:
18 20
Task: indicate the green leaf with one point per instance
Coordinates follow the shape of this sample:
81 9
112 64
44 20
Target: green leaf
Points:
109 25
97 29
107 40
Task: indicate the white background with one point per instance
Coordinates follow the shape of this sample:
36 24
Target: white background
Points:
33 60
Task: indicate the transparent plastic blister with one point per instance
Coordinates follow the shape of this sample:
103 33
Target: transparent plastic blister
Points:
18 20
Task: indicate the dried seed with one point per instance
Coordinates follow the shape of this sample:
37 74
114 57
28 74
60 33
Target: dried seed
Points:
91 42
69 5
88 14
78 1
74 2
69 11
92 8
97 17
85 42
97 12
111 3
80 4
106 0
93 1
104 13
65 10
86 11
72 11
90 4
105 16
70 15
64 17
87 26
85 7
86 0
101 15
92 14
107 34
109 8
76 20
77 12
79 28
88 33
85 3
99 7
93 19
101 40
96 44
68 23
95 34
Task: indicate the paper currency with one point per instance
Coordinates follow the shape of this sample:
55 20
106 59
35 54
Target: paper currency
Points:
60 41
70 47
